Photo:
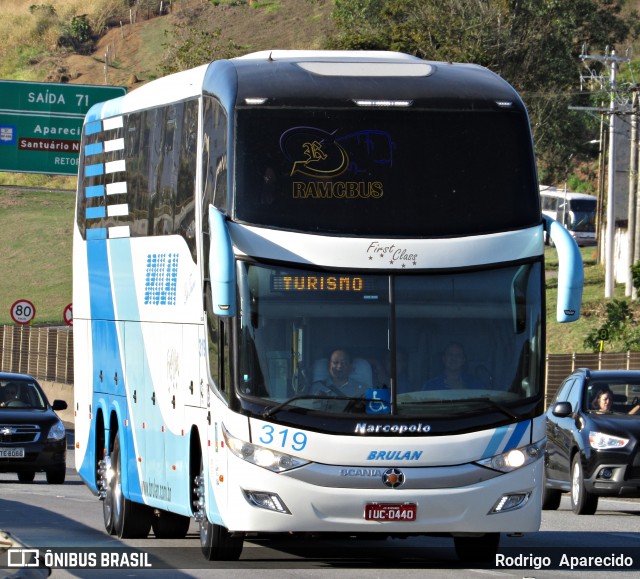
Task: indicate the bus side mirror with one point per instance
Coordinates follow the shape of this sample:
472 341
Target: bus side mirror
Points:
221 266
570 271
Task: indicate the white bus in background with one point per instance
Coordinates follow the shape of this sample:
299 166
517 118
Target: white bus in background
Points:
237 222
576 211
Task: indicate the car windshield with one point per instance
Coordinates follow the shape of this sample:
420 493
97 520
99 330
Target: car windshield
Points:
20 394
615 397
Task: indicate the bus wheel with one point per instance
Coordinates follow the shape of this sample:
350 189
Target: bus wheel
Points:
106 485
126 519
479 549
216 542
168 525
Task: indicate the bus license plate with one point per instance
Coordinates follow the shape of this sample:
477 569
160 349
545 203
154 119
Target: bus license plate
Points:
11 452
402 512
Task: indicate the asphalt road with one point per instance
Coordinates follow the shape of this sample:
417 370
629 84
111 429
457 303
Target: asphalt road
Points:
68 519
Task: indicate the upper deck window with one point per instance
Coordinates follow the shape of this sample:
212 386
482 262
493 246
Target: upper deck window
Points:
400 172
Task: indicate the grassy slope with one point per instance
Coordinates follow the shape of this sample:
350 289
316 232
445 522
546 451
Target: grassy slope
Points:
35 261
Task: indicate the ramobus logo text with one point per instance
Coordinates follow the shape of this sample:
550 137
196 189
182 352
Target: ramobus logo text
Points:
366 428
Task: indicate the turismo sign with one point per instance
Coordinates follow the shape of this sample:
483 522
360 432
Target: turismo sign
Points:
41 124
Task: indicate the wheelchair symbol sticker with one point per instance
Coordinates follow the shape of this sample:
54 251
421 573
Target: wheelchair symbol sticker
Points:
378 401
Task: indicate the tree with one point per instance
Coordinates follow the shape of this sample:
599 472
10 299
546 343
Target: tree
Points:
191 43
533 44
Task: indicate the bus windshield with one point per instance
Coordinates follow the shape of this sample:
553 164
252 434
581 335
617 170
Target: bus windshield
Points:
582 215
417 345
407 170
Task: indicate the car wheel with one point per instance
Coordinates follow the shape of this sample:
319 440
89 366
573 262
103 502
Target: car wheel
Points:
550 497
168 525
582 501
480 549
216 543
56 476
26 476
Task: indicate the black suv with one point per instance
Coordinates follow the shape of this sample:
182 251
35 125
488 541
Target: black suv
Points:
593 439
32 438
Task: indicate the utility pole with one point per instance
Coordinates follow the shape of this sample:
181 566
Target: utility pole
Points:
610 60
633 179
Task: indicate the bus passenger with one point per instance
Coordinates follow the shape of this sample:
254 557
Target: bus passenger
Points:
455 376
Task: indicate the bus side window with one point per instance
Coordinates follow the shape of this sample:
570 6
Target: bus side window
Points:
218 352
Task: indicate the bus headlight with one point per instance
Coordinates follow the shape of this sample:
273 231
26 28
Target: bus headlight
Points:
261 456
514 458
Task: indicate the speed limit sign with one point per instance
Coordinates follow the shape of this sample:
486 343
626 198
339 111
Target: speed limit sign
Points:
23 311
68 315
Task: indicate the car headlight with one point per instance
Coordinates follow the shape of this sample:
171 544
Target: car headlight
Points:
515 458
602 441
260 455
57 431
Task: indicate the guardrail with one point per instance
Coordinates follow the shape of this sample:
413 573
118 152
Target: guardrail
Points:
44 352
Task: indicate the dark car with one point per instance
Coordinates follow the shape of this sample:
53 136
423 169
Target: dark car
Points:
32 438
593 439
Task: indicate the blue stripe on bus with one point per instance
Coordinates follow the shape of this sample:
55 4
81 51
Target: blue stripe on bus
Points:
125 305
93 149
517 434
96 233
100 298
94 191
106 347
92 128
96 212
93 170
498 435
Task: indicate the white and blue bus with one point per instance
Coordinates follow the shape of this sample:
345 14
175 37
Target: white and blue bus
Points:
239 223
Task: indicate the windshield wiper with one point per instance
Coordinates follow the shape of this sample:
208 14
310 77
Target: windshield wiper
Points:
271 411
497 406
488 401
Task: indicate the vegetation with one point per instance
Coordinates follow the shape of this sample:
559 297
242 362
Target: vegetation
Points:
619 317
36 231
533 44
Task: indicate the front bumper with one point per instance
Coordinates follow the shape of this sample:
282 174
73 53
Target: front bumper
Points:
609 474
316 508
39 457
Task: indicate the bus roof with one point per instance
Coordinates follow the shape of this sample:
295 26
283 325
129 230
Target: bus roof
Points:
325 78
554 192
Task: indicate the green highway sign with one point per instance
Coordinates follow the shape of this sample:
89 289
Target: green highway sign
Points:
41 124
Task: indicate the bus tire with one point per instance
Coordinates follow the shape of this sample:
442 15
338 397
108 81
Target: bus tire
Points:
126 519
478 549
216 542
168 525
